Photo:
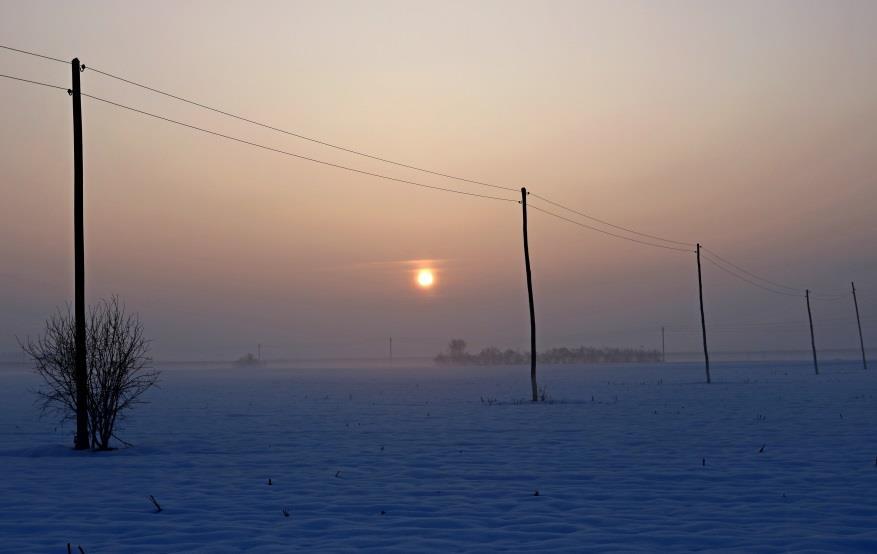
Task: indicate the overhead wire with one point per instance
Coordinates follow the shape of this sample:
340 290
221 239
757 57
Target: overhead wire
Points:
829 296
580 224
33 82
367 155
619 227
266 125
34 54
718 264
262 146
293 133
799 290
291 154
382 159
753 279
749 273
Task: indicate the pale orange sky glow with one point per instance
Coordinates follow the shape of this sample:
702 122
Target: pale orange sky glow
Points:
750 127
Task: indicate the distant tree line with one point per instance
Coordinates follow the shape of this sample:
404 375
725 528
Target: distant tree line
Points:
456 354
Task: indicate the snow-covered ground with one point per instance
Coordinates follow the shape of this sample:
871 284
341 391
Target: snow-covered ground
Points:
626 458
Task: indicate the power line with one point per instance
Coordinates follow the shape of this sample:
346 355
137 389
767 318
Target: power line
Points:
739 325
294 134
32 82
371 156
379 158
774 283
743 278
753 275
717 264
34 54
286 153
608 232
828 296
655 237
257 145
267 126
547 200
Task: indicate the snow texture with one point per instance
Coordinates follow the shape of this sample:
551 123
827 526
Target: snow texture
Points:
625 458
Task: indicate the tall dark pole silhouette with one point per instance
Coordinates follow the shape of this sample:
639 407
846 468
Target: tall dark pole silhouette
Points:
812 336
706 354
80 371
663 346
533 387
859 323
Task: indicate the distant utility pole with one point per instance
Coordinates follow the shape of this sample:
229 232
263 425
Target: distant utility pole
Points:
706 354
812 337
391 350
80 369
259 350
663 346
859 323
530 295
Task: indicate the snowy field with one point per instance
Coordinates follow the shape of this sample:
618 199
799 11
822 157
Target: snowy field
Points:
626 458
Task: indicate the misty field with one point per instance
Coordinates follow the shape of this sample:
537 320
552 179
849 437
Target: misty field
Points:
768 458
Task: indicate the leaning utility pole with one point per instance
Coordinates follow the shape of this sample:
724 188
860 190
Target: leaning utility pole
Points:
530 295
859 323
812 337
706 354
80 369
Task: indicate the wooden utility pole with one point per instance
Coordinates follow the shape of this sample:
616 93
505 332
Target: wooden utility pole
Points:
663 346
533 386
80 369
859 323
812 337
706 354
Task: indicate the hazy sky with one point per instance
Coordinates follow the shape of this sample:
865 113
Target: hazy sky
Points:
748 126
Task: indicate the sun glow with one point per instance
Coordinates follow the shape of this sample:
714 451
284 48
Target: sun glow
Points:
425 278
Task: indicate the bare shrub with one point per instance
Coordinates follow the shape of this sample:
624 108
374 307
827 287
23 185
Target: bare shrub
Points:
118 363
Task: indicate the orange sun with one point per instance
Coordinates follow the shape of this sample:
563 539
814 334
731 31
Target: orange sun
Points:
425 278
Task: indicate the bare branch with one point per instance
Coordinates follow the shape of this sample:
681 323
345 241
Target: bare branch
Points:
118 362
